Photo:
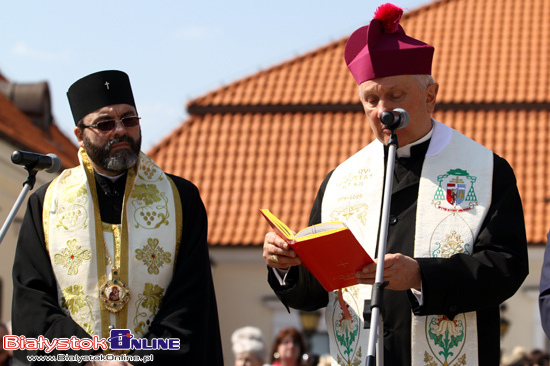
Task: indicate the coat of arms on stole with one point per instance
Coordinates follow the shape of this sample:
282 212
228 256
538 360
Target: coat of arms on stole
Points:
460 194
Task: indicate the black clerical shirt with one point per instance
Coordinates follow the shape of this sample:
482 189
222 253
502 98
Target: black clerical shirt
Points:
110 195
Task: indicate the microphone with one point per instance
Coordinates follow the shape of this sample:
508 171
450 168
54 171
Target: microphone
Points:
33 161
398 118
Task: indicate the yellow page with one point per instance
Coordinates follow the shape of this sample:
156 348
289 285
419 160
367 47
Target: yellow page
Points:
281 226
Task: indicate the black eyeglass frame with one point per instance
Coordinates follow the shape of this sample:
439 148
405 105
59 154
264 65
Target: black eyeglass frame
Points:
98 125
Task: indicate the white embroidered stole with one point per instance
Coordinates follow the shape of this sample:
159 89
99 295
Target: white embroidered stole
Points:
144 247
353 195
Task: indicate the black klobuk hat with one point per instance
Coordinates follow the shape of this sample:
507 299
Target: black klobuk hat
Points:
98 90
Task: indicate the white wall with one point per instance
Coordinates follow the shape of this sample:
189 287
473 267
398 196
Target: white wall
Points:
242 293
11 183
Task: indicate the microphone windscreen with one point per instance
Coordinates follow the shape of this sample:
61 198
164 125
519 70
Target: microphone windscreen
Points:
404 116
56 163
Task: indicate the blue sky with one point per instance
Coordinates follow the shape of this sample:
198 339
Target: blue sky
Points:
173 51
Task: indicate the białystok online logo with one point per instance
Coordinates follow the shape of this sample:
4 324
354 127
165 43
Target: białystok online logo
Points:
120 339
124 339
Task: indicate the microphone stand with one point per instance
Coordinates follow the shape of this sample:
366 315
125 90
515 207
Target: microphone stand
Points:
28 184
373 308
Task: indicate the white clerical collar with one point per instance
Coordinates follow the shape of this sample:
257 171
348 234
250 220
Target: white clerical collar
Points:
109 176
405 151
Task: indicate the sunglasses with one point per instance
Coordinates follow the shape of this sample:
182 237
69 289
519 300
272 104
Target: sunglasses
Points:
109 125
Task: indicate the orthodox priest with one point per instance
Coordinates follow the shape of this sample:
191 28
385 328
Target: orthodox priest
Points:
115 243
456 244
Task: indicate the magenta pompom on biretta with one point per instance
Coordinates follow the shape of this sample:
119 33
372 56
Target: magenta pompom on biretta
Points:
383 49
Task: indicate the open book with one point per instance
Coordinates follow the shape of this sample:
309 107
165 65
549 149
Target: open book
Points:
329 251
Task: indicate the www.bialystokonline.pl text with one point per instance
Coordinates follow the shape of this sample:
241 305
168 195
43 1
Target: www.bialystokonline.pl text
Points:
87 358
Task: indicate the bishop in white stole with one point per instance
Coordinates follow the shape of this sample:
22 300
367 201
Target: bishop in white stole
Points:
453 199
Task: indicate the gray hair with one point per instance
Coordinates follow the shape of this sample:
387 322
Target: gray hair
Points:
249 339
423 81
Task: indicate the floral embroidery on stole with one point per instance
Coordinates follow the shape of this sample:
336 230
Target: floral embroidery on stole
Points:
148 239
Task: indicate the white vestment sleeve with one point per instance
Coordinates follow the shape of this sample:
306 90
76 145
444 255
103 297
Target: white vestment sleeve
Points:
418 295
281 275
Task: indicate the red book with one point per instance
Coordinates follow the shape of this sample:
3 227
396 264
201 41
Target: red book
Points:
329 251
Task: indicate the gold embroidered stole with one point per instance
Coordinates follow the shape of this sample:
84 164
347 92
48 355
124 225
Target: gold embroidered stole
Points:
451 211
144 246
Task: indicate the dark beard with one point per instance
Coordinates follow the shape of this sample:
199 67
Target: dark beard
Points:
117 162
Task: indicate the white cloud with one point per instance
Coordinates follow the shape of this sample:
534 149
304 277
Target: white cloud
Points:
22 49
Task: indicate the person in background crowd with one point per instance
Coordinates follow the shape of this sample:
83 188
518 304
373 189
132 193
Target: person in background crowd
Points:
288 348
325 360
248 346
519 356
310 359
5 355
544 287
538 357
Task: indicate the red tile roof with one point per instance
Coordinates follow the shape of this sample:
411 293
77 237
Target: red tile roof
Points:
18 129
268 140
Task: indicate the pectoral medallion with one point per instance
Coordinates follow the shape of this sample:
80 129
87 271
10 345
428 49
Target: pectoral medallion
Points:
114 294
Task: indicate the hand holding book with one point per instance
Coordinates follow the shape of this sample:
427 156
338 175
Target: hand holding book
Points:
329 251
278 253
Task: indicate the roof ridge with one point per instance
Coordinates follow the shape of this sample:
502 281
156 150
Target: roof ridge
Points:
213 97
198 110
191 103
